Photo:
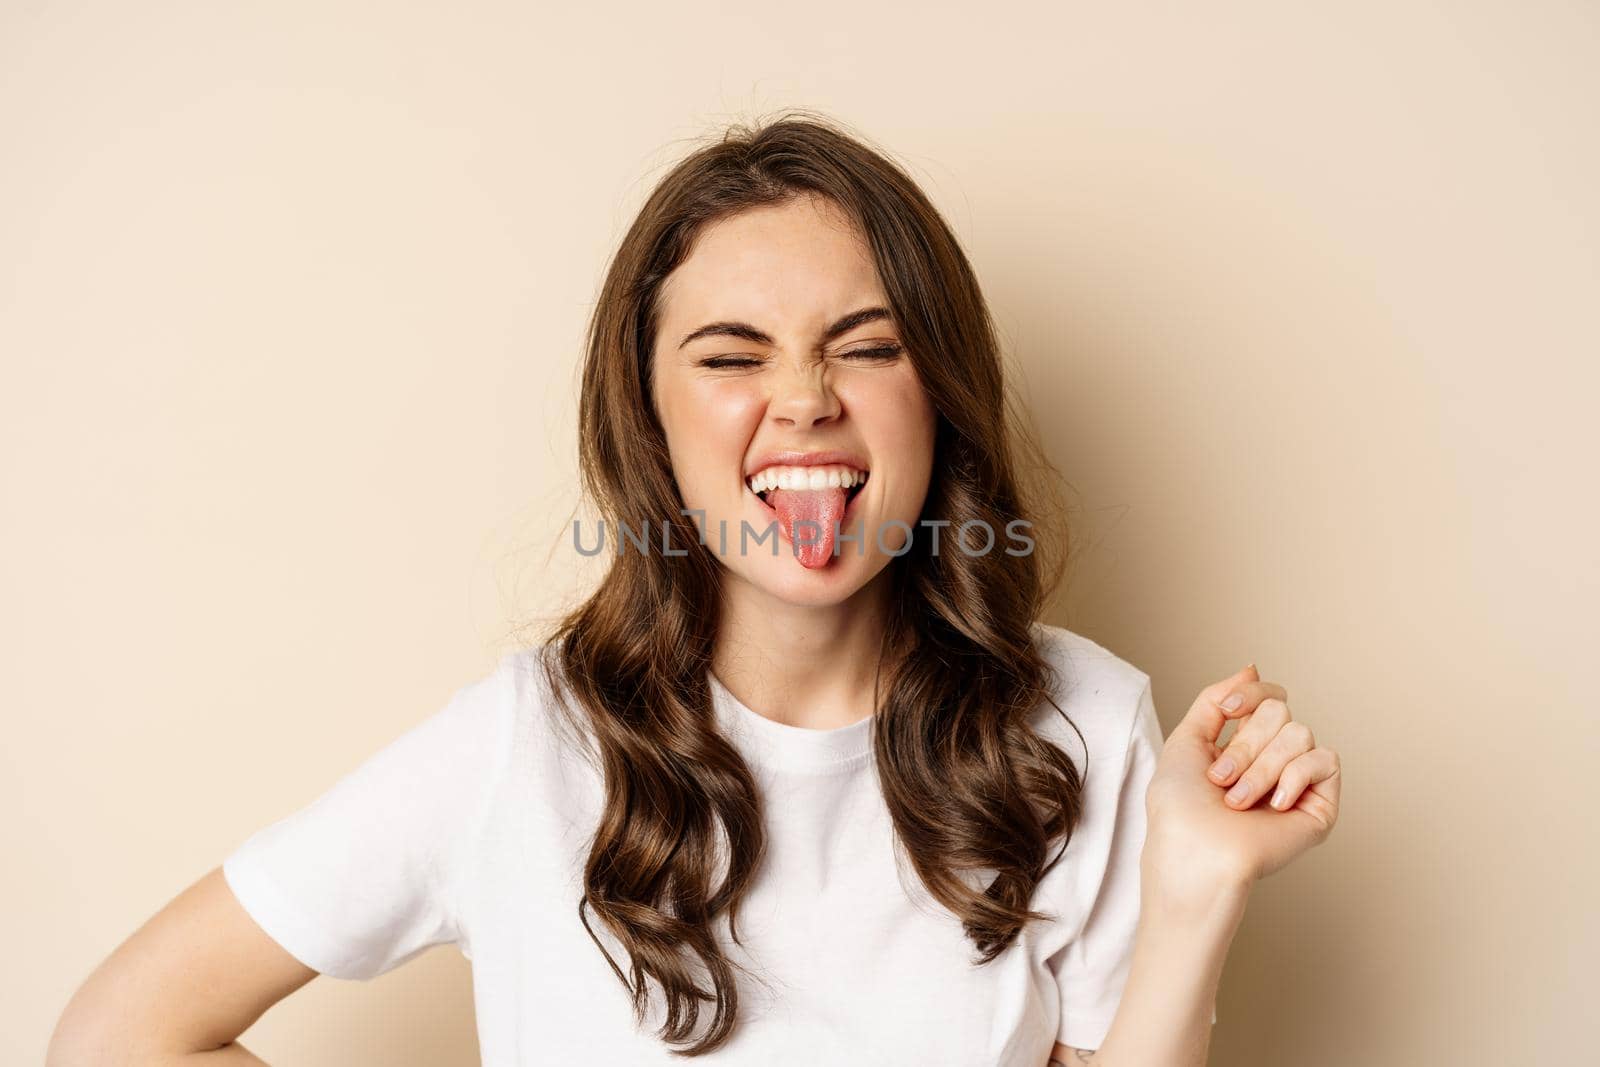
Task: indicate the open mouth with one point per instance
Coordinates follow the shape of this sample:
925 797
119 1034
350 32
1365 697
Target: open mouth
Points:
832 476
811 506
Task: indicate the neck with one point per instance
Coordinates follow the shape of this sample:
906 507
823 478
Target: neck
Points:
801 665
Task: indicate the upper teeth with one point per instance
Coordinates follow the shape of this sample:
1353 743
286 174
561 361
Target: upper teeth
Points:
806 478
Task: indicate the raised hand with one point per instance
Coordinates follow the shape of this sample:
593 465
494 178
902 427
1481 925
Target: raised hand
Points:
1222 818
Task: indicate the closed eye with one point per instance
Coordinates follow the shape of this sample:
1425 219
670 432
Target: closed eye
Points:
881 352
884 352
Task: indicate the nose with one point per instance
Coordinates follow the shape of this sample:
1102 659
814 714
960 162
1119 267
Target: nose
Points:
802 397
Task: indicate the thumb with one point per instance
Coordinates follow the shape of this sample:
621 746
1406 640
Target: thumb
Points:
1205 718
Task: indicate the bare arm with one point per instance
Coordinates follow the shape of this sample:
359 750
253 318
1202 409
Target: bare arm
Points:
1206 847
1165 1014
180 989
1202 856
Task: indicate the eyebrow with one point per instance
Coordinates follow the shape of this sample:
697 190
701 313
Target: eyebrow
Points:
747 332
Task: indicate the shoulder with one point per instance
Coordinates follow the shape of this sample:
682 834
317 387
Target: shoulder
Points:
489 720
1085 669
520 678
545 720
1101 694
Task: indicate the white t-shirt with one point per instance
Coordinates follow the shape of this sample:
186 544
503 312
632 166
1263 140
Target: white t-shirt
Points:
473 826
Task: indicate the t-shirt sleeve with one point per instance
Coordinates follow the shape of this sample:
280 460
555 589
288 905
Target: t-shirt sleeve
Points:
1092 969
368 874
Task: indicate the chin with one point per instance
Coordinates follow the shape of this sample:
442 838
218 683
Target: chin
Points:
783 578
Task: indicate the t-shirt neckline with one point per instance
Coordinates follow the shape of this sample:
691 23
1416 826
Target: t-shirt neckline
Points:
791 747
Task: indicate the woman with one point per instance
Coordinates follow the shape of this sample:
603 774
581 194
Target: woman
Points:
804 780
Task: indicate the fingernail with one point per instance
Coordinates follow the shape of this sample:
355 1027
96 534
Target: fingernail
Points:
1238 791
1222 768
1278 798
1233 702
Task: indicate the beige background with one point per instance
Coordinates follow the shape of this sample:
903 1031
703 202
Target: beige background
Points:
291 298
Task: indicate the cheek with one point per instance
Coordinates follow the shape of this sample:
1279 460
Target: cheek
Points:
708 427
897 419
897 422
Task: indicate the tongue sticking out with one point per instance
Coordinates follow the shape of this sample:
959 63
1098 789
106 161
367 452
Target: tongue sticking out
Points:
798 510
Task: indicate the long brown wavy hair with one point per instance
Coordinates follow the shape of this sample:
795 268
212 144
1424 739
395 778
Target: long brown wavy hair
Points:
976 796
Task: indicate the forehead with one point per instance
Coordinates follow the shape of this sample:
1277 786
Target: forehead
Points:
787 266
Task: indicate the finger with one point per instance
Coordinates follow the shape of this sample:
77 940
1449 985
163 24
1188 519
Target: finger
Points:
1205 718
1292 741
1310 783
1254 733
1238 703
1244 698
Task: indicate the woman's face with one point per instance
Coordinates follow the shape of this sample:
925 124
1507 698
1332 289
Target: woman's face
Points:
765 375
